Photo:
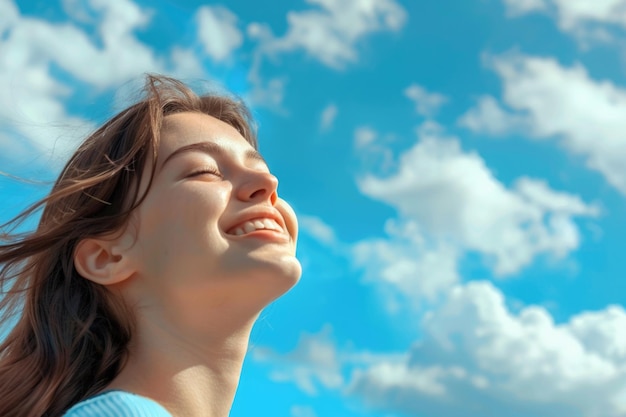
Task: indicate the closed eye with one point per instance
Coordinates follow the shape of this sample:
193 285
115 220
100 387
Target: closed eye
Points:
205 171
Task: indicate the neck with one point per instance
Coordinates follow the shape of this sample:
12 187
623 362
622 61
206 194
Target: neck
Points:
189 376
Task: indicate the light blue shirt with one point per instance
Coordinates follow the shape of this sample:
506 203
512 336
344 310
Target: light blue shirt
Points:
117 403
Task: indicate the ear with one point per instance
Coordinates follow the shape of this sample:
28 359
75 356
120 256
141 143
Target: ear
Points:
103 261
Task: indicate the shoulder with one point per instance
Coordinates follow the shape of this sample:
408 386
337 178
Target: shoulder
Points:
117 404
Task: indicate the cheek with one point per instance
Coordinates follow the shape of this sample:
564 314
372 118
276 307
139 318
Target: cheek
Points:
291 221
182 219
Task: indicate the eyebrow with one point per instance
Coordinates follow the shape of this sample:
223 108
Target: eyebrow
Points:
212 149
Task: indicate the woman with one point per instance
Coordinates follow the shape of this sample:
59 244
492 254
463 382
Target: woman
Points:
158 246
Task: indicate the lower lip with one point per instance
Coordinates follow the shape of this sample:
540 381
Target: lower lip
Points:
270 235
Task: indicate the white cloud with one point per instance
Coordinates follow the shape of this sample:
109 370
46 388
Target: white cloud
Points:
302 411
489 117
313 364
331 32
185 63
317 228
586 20
32 105
318 363
78 10
267 93
520 7
9 15
549 101
407 267
426 104
410 389
218 31
476 355
454 198
328 116
121 57
602 332
364 136
373 148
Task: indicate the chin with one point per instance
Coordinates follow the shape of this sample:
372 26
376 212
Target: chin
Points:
279 277
261 275
288 273
293 272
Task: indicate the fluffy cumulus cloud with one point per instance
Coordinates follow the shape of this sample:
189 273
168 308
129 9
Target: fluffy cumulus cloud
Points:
426 103
587 20
33 102
38 67
407 267
546 100
218 31
330 32
452 197
477 358
120 57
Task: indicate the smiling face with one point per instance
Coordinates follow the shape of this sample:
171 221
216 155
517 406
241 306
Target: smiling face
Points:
212 232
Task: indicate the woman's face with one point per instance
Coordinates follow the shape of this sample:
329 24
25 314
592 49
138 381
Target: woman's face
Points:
212 232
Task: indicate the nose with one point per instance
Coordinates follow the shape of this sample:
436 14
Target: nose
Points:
258 186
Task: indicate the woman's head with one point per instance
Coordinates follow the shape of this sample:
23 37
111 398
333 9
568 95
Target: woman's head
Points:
210 238
149 212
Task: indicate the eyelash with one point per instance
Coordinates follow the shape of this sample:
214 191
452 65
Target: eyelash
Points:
206 171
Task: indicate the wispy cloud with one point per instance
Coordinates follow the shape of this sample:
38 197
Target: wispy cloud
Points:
364 136
328 117
317 228
302 411
427 103
331 32
587 21
521 7
489 116
218 31
314 364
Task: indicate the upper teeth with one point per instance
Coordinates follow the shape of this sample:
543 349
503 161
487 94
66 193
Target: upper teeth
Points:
257 224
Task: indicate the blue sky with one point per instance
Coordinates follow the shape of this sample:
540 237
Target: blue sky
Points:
457 168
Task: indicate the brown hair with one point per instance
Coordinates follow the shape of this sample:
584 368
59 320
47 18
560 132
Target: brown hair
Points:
71 335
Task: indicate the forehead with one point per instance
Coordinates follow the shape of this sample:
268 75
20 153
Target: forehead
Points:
182 129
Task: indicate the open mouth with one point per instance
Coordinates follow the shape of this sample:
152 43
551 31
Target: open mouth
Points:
262 223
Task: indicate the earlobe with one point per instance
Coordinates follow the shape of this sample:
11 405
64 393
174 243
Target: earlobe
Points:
98 260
